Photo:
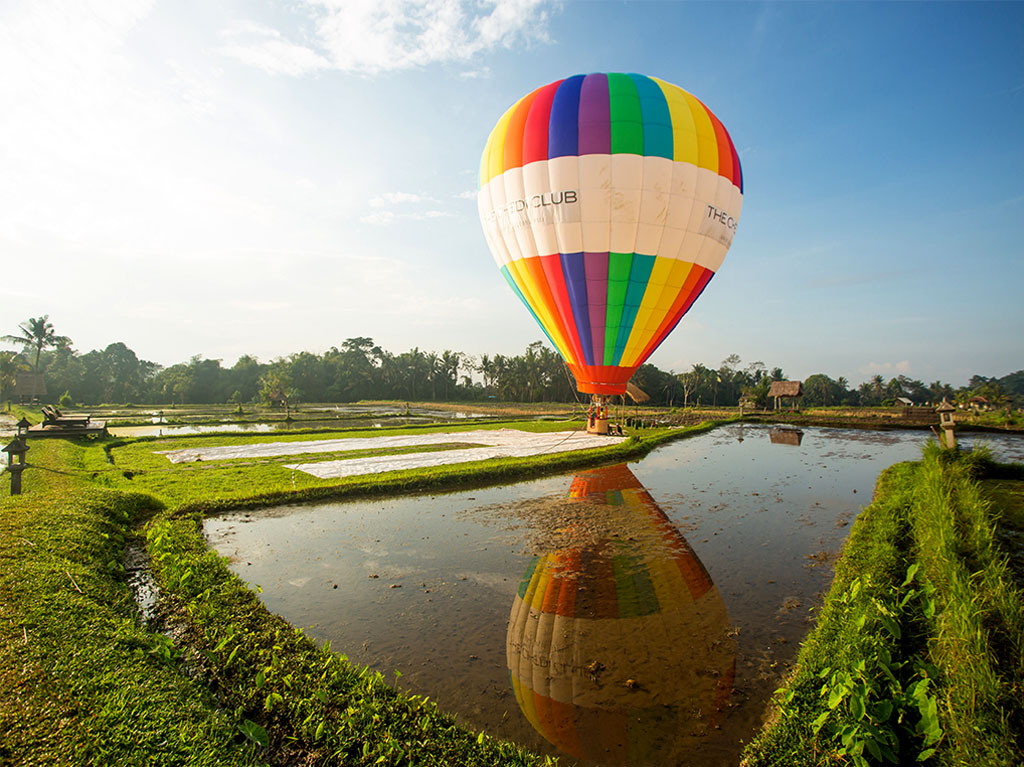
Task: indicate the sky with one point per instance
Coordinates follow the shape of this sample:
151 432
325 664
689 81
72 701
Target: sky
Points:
226 178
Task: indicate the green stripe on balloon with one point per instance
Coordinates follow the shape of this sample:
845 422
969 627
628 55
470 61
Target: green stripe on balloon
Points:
626 119
639 276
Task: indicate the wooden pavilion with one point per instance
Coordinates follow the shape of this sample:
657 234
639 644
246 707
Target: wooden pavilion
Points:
783 390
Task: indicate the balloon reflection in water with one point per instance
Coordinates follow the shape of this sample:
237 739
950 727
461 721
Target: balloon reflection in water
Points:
618 648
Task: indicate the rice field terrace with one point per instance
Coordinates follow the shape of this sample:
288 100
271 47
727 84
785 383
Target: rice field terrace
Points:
356 593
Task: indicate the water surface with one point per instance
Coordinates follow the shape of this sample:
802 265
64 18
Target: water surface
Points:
633 614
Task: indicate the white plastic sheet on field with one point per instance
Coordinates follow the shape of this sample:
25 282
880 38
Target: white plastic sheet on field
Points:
501 443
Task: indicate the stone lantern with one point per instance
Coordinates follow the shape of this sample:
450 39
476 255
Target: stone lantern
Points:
23 425
945 411
16 450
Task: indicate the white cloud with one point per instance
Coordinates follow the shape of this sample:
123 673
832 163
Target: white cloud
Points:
264 48
409 207
886 368
393 198
373 36
378 218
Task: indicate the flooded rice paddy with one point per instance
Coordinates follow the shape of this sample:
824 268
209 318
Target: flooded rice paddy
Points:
327 417
632 614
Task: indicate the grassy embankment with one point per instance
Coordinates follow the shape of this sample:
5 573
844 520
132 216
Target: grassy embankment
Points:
85 684
918 653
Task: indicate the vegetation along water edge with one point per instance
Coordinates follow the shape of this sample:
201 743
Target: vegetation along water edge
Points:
219 680
917 652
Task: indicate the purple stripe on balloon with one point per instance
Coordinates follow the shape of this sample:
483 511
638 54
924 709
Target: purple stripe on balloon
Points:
596 267
576 286
595 128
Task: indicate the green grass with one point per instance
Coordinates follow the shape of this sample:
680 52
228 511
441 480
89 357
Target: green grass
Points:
916 657
81 682
218 485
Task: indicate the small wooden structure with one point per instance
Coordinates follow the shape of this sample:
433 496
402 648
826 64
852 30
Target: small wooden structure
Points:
16 462
783 390
979 404
946 422
29 387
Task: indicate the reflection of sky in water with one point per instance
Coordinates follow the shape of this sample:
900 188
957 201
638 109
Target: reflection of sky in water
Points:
424 584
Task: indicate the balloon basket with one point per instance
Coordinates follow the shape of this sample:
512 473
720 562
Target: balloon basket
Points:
597 416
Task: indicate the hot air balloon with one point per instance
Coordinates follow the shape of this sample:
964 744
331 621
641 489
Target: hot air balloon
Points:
609 202
618 647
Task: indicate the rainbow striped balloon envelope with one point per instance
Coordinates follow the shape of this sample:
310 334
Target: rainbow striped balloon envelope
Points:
609 201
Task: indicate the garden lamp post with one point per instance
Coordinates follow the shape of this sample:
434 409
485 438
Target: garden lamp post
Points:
945 411
16 449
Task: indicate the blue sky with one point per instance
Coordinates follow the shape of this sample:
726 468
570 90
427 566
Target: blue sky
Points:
226 178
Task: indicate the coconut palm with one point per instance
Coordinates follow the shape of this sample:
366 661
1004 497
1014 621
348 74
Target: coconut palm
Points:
37 333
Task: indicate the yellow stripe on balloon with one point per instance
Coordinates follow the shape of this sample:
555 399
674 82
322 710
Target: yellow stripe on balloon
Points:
656 304
536 600
525 696
493 160
707 140
652 295
684 132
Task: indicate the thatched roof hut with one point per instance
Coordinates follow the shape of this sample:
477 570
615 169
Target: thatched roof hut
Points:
635 393
785 390
29 386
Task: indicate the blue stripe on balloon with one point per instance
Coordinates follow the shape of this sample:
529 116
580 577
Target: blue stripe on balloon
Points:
658 138
639 274
576 286
563 125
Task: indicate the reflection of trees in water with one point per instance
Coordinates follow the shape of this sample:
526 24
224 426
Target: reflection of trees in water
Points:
618 648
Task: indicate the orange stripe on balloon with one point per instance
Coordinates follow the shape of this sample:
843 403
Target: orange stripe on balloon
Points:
513 157
545 304
724 148
694 284
567 596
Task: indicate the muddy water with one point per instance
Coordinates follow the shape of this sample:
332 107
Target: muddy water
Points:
634 614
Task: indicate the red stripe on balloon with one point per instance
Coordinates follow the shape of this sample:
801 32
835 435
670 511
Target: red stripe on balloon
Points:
535 130
552 265
542 294
737 169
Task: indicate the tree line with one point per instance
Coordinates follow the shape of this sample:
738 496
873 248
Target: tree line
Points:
359 369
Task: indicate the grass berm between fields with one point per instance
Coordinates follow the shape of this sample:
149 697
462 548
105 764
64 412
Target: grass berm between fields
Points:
917 652
916 657
228 682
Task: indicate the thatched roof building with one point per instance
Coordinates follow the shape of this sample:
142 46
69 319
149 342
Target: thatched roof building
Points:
28 387
638 395
785 390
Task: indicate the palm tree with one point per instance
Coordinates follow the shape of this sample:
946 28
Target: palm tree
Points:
37 333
